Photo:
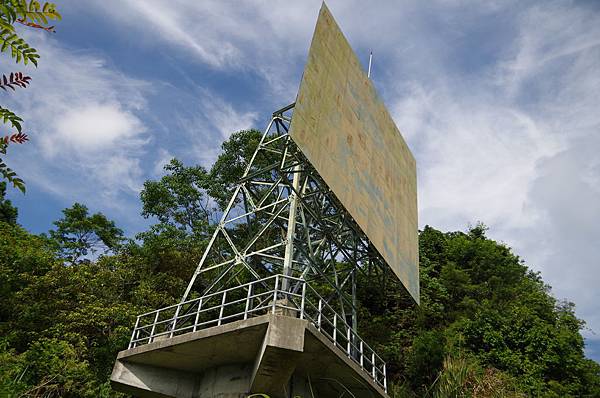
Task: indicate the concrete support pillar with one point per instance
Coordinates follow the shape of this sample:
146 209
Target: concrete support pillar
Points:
142 380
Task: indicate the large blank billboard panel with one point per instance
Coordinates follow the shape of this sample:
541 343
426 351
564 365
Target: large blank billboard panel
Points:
346 132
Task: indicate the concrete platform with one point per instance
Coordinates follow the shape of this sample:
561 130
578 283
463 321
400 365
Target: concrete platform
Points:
273 354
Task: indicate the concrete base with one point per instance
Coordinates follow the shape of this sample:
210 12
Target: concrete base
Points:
272 354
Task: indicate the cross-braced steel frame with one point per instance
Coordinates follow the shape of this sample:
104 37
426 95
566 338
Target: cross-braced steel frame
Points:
283 219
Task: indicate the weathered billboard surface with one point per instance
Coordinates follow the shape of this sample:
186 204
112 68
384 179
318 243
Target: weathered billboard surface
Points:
346 132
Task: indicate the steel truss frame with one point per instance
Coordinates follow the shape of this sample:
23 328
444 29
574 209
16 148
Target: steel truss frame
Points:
283 219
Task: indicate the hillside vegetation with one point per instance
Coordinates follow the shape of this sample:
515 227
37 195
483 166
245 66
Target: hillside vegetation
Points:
487 325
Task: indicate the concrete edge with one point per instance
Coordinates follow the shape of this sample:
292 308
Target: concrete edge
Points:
341 355
190 336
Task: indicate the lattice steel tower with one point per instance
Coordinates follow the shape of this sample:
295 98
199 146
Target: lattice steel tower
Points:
272 307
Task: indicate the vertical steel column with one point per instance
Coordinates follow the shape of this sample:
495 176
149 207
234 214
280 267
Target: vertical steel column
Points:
354 302
354 310
291 230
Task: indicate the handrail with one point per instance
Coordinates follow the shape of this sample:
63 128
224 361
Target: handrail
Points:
258 298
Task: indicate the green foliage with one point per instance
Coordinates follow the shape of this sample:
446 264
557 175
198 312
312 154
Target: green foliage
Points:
61 325
24 257
79 234
462 376
8 174
495 321
31 13
8 116
8 213
231 164
49 368
179 199
426 358
19 138
34 11
17 47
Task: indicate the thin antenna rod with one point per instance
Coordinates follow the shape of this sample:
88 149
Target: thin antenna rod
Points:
370 61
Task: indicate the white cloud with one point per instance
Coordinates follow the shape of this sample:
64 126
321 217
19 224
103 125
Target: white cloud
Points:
119 168
224 117
476 159
202 124
260 37
93 127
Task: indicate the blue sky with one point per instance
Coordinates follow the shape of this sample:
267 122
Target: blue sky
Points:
498 101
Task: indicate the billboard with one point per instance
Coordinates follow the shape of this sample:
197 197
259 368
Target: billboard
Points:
348 135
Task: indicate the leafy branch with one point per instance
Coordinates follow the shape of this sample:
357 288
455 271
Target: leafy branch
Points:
37 26
33 14
5 171
29 13
8 116
11 176
14 79
26 12
19 49
18 138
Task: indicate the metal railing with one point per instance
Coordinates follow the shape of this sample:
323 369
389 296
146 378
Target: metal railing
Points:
257 298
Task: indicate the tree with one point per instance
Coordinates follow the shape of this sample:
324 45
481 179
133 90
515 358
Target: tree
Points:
488 314
8 213
61 325
32 14
79 234
179 199
184 210
231 163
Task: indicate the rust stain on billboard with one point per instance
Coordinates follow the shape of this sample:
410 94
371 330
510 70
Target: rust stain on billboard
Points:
346 132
